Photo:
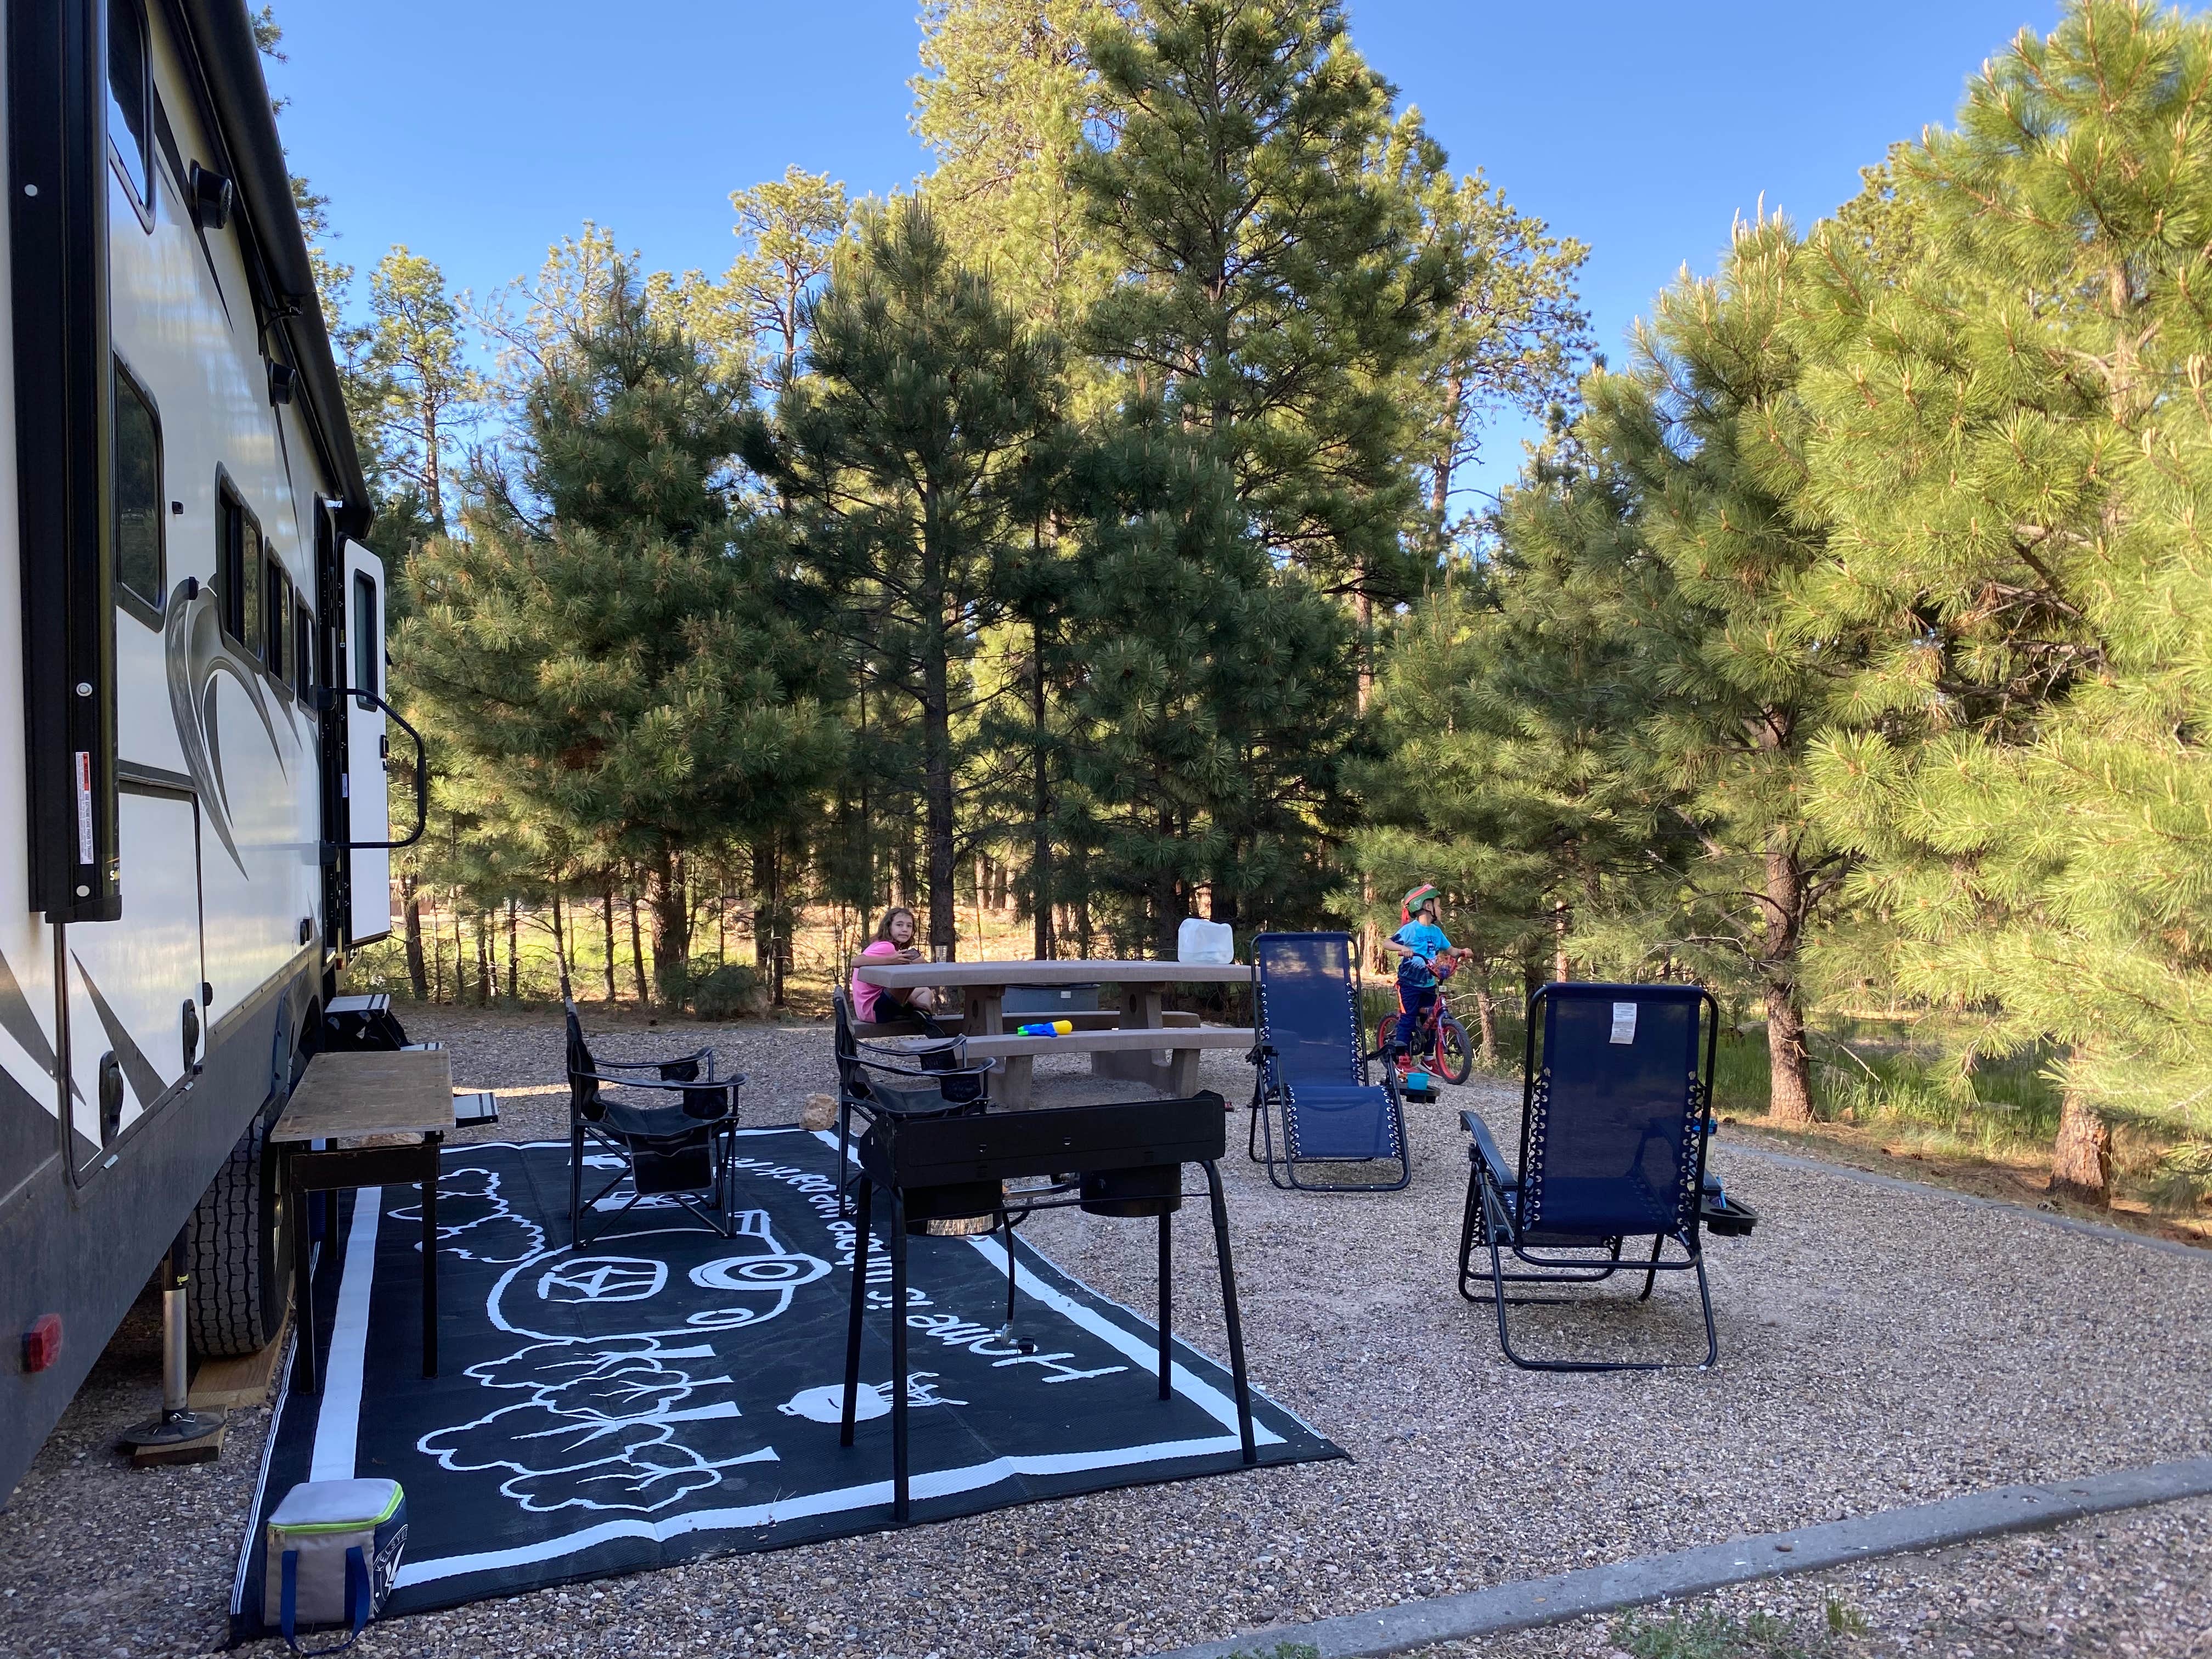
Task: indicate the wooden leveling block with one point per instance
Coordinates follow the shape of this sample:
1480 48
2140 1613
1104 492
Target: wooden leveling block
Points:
246 1380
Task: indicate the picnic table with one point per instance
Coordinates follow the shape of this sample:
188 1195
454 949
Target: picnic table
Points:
1127 1051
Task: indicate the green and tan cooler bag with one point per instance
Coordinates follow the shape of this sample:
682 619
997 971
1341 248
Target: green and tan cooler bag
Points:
333 1548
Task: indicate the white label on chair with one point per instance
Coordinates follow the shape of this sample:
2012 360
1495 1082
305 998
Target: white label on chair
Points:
1624 1022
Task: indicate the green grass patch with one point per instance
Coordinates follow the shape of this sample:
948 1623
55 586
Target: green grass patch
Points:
1708 1633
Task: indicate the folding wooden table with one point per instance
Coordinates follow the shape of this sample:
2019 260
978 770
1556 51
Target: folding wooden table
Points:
382 1117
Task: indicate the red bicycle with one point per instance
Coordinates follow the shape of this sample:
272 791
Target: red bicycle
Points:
1440 1042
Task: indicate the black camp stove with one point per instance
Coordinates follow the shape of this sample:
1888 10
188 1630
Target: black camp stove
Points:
1119 1159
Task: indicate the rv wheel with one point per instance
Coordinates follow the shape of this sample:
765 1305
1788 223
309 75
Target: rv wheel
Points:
236 1299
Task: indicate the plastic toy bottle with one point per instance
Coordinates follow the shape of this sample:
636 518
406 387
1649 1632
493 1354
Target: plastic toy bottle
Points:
1046 1028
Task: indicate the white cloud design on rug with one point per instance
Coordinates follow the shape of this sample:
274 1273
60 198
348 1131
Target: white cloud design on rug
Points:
609 1426
474 1221
629 1407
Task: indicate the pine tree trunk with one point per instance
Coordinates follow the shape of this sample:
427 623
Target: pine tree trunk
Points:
672 928
483 959
637 957
1486 1012
1789 1069
2081 1159
780 958
1371 937
1167 906
561 950
937 820
1362 611
513 979
607 917
1790 1072
937 826
437 961
1440 475
418 975
1559 964
1041 813
764 895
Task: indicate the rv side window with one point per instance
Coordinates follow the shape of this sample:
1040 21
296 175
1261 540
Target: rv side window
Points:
368 649
138 572
131 97
276 614
303 650
249 588
230 565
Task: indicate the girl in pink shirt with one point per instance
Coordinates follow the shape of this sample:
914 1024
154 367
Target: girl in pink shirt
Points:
894 942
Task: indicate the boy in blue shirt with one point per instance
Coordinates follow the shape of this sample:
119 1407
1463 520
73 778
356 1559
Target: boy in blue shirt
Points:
1418 944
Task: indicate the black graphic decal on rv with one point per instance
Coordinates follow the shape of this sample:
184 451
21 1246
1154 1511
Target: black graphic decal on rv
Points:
196 655
21 1023
145 1082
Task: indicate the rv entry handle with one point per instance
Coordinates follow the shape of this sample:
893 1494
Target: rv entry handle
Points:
421 766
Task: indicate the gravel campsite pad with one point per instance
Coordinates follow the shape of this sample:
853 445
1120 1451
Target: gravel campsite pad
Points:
1878 1348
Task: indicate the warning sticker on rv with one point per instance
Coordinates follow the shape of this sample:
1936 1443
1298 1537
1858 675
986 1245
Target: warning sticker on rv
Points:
83 807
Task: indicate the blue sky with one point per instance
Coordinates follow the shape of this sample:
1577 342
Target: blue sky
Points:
477 131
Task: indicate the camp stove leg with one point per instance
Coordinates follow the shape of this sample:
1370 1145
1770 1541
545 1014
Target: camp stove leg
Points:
1167 1301
860 1218
899 1504
1228 1313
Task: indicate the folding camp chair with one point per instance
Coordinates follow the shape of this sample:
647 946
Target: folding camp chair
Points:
873 1078
1616 1107
673 1139
1312 1072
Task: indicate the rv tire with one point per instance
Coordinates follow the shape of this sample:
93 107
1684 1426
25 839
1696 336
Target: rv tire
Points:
235 1301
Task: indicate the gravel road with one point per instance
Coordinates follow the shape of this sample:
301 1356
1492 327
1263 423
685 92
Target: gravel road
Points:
1877 1348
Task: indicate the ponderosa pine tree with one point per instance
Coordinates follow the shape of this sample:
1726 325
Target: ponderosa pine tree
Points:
2014 448
1701 578
790 227
1513 334
1274 277
1209 718
609 632
906 452
1006 100
1499 779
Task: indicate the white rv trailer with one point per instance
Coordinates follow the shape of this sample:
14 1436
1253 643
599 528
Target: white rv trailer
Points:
186 782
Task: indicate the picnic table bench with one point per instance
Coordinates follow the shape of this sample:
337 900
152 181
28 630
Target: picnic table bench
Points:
1125 1051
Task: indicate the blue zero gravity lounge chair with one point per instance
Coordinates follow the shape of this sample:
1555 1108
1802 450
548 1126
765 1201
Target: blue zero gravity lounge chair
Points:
1616 1106
1311 1083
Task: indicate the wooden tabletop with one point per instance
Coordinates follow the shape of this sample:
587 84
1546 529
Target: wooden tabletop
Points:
344 1097
903 975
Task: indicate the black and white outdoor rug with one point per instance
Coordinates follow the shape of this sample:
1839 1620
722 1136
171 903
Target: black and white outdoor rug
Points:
669 1394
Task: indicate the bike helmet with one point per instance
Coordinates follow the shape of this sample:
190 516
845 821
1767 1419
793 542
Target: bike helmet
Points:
1415 899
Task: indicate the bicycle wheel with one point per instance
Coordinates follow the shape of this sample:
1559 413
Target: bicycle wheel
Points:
1386 1032
1454 1053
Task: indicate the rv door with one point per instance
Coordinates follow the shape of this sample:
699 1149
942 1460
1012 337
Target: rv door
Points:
368 808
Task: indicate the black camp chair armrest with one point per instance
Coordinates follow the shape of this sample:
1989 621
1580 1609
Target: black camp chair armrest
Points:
727 1086
695 1057
973 1068
730 1082
907 1062
1485 1149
